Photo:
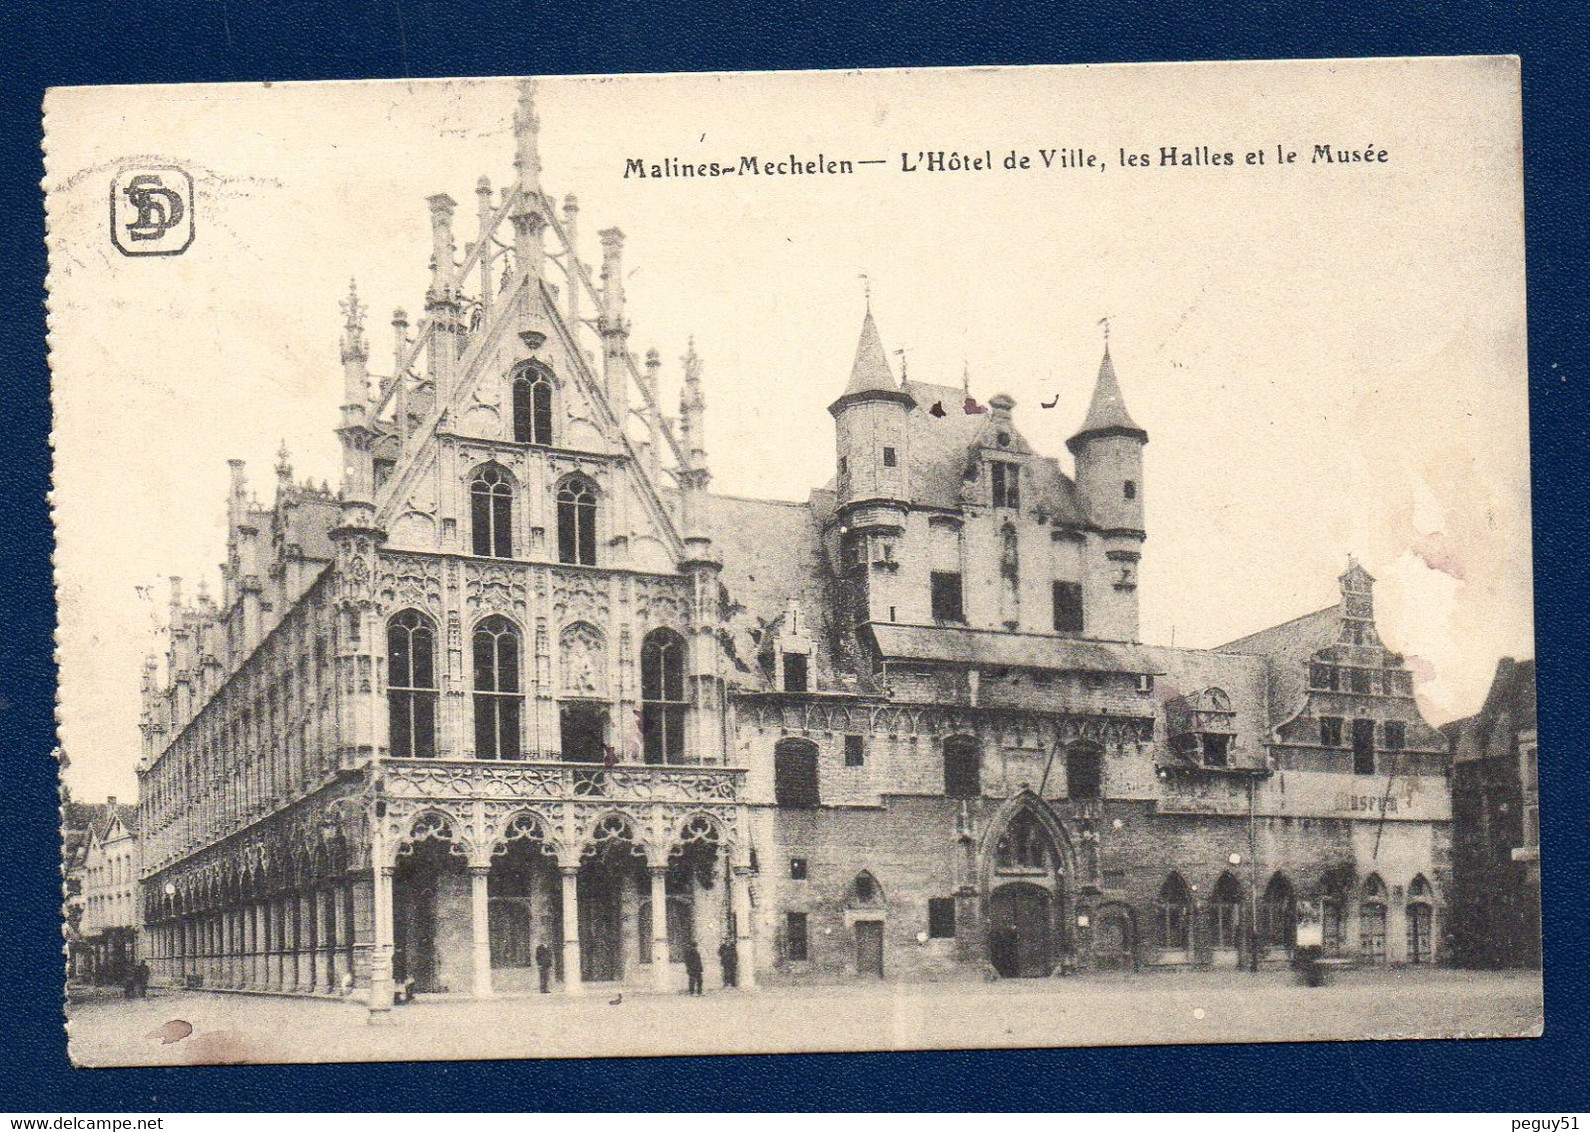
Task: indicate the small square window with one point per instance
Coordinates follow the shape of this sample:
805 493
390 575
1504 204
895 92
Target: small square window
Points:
1129 489
888 457
1145 682
855 750
1330 732
1396 735
941 917
797 868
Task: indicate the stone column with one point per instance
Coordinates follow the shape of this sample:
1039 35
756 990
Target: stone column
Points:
480 926
661 969
306 941
744 942
572 983
381 953
334 929
273 946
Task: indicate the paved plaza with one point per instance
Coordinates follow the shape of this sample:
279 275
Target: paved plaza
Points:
1095 1010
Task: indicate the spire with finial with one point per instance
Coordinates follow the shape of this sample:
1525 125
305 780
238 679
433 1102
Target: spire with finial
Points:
1107 415
284 464
527 139
353 343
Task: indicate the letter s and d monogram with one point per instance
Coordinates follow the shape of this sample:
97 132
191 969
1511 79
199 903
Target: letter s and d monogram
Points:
151 210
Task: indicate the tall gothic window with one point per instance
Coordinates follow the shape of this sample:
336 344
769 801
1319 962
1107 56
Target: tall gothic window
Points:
411 685
662 695
532 407
1174 911
1225 912
577 521
497 691
491 512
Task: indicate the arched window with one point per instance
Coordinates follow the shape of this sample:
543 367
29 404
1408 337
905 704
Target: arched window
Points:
1084 771
532 407
1173 911
491 512
1225 912
411 685
497 691
662 696
1024 845
866 889
1372 920
1421 922
1278 914
963 777
577 521
795 773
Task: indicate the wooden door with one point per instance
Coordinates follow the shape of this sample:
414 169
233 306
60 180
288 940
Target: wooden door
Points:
869 948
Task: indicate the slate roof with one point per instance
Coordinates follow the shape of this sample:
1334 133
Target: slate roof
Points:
953 645
870 372
1107 412
1289 646
943 448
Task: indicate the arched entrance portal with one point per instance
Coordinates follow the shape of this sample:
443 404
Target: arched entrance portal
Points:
1026 905
611 881
1020 931
430 917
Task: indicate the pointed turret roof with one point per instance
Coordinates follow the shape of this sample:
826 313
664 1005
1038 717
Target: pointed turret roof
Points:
870 375
1107 415
870 372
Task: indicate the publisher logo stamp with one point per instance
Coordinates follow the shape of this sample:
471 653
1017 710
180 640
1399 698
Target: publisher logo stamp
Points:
151 210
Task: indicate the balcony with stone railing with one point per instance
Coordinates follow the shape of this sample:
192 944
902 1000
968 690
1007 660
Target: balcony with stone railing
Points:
559 781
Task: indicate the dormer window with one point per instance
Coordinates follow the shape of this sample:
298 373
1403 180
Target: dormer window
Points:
1007 492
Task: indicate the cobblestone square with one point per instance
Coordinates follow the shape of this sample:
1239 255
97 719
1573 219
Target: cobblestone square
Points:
1018 1013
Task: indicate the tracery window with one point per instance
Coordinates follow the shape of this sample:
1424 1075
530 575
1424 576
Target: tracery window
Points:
498 701
662 694
1225 911
1173 911
1024 845
1278 914
532 407
411 685
491 512
577 521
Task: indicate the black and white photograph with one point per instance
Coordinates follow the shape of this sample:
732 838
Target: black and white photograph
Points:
793 562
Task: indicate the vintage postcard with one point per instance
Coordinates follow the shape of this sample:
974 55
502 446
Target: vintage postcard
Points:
794 561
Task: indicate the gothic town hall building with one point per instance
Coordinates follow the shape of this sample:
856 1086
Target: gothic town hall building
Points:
524 681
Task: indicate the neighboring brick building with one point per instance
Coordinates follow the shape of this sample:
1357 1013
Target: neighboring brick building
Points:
1496 825
525 680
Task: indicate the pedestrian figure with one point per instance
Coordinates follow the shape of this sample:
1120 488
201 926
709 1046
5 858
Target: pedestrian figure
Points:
729 961
544 962
693 968
141 979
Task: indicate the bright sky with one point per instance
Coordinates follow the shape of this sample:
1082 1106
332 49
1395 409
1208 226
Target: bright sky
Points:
1327 359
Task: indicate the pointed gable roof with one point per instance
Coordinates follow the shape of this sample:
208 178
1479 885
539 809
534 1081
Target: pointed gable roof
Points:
1107 415
870 375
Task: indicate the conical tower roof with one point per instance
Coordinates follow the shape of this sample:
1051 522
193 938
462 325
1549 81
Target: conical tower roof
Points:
1107 415
870 375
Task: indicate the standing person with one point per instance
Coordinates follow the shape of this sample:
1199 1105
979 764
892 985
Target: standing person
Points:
544 962
693 967
141 979
729 961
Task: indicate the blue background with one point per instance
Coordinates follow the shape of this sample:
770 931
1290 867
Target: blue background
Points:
137 41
